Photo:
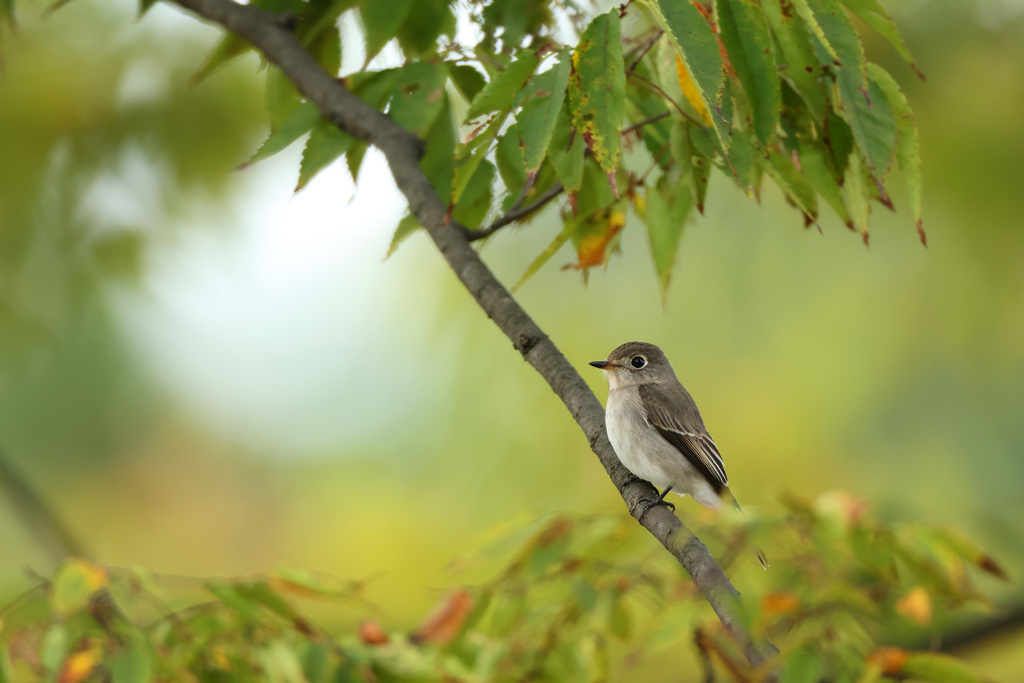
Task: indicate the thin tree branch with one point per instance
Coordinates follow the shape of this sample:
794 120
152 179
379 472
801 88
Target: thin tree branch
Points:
402 151
519 211
515 213
48 528
658 89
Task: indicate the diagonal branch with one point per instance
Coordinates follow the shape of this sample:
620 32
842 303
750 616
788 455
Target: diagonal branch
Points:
402 151
515 213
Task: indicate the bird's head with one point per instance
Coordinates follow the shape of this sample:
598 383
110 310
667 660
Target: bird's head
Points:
636 363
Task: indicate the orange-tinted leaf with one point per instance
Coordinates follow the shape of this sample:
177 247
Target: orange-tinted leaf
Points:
370 633
74 583
595 235
81 664
444 622
780 602
889 660
916 606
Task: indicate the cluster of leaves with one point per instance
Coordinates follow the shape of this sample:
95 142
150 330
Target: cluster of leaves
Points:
777 88
570 587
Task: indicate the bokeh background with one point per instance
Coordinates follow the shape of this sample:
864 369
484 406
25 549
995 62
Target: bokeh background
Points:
206 375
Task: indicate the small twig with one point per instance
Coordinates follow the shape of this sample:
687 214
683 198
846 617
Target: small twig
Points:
515 213
658 89
645 48
640 124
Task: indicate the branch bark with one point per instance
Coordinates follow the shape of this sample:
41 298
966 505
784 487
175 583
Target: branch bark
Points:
402 150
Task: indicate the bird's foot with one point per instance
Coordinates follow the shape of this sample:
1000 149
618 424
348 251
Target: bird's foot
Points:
660 500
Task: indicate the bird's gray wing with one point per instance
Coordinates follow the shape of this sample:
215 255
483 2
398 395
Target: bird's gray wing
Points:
671 411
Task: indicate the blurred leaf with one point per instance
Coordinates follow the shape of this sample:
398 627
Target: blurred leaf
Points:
81 663
426 22
667 208
874 15
567 152
788 177
133 664
467 80
916 605
966 549
504 87
75 582
833 29
510 164
54 647
695 44
354 158
310 584
229 47
326 143
475 202
820 175
908 152
381 19
300 122
406 227
744 30
940 668
436 163
597 89
326 48
545 94
855 195
420 95
280 665
282 97
446 619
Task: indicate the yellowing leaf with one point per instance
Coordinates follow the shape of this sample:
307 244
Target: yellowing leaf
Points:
690 91
916 606
74 583
80 665
888 660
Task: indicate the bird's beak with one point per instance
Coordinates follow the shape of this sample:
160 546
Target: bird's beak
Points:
603 364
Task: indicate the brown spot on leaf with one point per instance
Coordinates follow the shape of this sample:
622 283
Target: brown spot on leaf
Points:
445 621
370 633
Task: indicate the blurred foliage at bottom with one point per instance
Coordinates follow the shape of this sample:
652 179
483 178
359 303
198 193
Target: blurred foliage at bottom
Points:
571 590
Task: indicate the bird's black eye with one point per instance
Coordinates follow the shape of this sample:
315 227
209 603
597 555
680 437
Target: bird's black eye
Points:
638 362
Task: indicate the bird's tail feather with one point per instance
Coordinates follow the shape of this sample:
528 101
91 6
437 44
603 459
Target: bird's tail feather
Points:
761 557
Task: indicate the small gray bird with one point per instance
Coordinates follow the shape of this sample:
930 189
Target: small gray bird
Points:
657 431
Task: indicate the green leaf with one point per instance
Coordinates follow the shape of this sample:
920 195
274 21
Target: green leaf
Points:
470 155
908 148
326 48
354 158
567 152
406 227
54 647
597 89
279 663
872 122
740 164
467 80
667 207
748 40
874 15
501 91
855 194
437 159
74 583
510 162
381 19
324 18
133 664
786 175
560 239
475 202
800 66
837 36
300 122
940 668
542 103
419 96
697 47
427 21
282 97
229 47
325 144
694 170
819 173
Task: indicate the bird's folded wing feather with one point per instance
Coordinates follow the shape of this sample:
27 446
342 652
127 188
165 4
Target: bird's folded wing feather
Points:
677 419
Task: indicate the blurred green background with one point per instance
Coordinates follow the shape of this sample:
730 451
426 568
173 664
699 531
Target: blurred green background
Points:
205 376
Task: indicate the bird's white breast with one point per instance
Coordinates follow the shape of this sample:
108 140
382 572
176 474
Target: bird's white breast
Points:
634 441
